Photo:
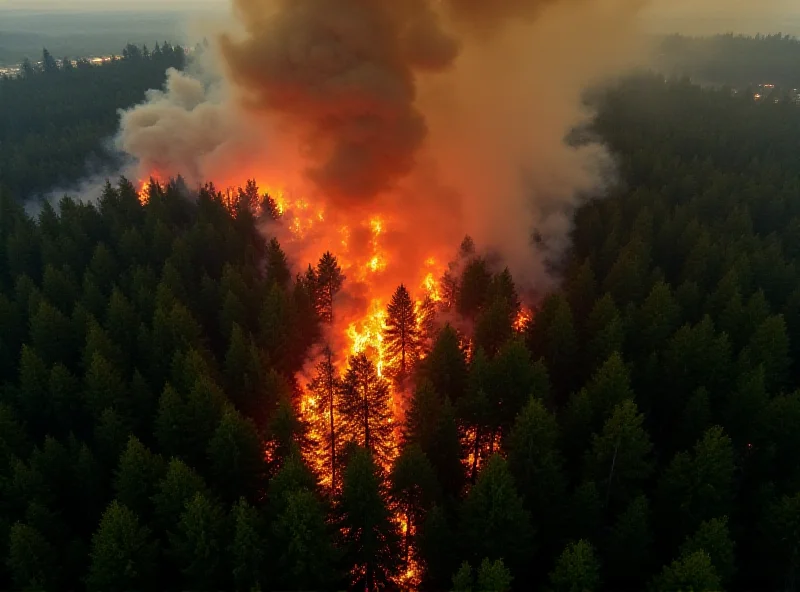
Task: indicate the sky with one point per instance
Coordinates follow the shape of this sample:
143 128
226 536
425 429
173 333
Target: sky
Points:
687 16
114 5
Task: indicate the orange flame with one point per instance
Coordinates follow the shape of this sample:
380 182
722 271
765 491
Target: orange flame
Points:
524 317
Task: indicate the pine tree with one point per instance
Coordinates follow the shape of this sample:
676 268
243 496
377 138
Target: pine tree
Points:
325 388
329 280
277 264
619 456
577 569
123 555
413 489
697 486
446 365
537 465
303 542
32 560
249 548
402 335
714 538
365 406
198 544
692 572
178 487
236 458
494 522
628 546
437 547
494 326
137 476
371 540
473 288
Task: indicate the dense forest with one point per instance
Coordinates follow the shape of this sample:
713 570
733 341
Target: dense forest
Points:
637 433
56 116
735 60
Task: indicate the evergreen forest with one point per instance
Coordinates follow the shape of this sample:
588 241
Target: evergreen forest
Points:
638 432
57 117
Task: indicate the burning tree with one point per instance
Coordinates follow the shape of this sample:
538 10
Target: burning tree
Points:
329 279
324 390
402 335
365 406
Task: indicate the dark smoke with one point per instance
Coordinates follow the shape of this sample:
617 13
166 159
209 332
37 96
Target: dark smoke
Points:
343 75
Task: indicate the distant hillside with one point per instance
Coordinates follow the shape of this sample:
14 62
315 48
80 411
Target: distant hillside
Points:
734 60
24 34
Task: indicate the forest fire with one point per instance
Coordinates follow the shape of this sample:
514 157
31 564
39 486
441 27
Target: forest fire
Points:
372 179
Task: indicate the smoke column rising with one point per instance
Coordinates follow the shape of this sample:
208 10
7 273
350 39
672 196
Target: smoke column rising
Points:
444 117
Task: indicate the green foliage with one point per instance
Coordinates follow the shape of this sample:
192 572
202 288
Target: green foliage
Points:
137 476
123 555
693 572
492 575
305 554
494 522
31 559
619 456
697 486
370 537
629 545
577 569
63 115
536 462
249 547
175 490
713 538
236 458
198 543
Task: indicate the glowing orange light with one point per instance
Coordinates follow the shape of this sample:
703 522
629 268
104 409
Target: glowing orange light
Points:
367 336
524 316
431 287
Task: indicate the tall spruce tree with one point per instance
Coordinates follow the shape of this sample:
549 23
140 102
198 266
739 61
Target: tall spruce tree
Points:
365 406
329 280
325 388
402 335
370 537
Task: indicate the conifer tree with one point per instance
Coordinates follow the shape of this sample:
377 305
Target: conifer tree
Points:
329 280
370 536
413 489
277 265
446 365
326 387
577 569
402 335
494 523
123 555
365 406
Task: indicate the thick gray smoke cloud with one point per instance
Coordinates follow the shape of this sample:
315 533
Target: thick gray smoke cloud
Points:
378 105
342 74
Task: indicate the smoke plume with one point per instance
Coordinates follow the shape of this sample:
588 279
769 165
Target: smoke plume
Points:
343 75
440 117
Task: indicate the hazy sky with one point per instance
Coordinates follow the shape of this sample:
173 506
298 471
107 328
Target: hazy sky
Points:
744 16
130 5
670 7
